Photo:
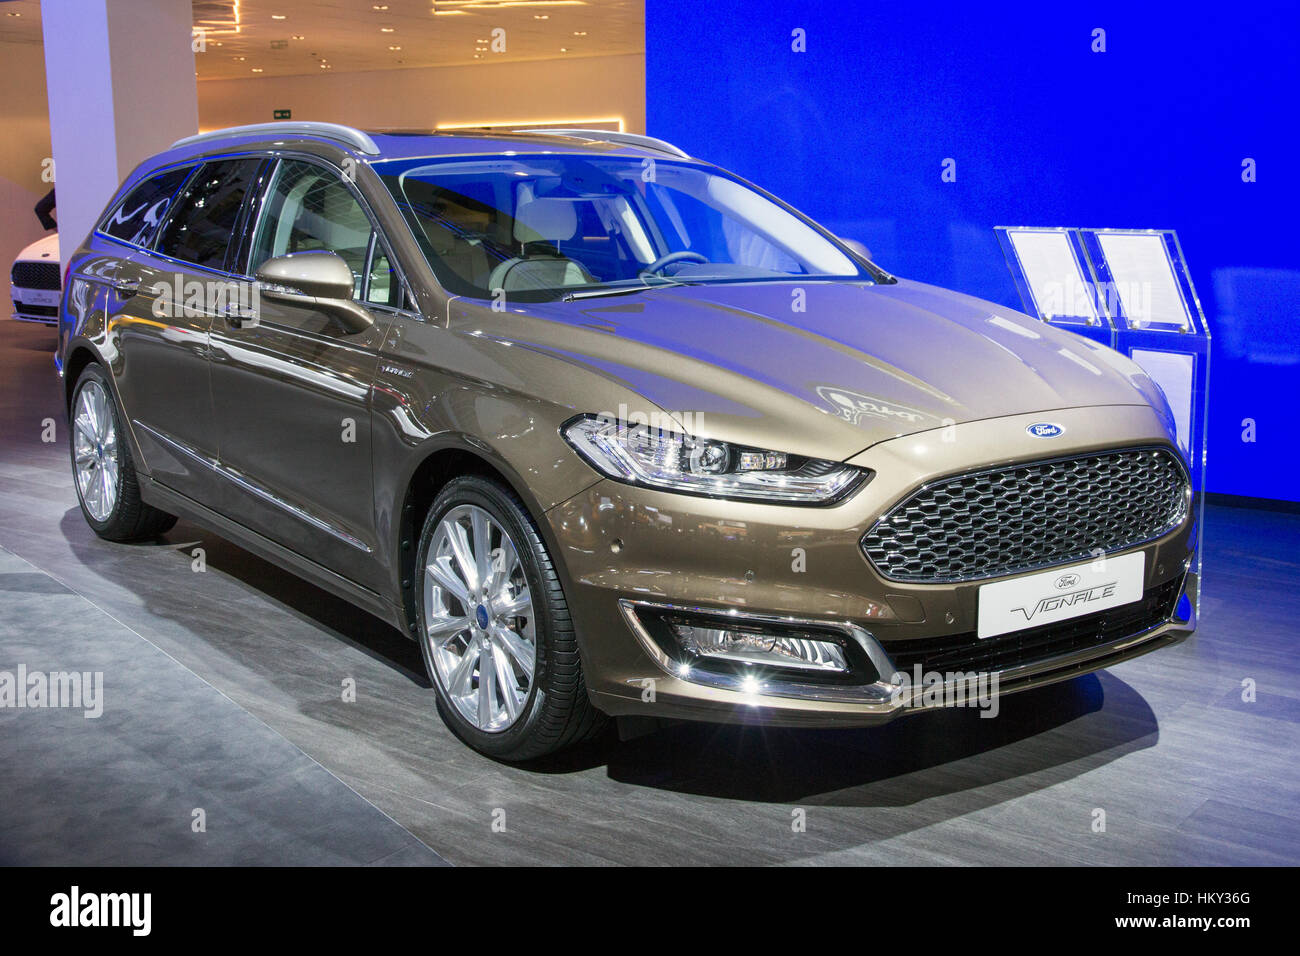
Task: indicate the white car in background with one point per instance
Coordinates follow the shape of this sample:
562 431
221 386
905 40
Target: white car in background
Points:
36 282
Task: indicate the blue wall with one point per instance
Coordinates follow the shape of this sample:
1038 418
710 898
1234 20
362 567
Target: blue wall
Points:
1150 134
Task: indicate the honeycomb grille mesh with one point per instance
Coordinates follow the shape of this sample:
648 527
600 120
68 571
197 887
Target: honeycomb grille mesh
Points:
36 275
1029 516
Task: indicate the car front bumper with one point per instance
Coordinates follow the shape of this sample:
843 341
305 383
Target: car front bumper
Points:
623 549
26 309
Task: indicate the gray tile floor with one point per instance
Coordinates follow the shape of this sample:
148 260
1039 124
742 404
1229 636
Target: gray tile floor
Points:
229 687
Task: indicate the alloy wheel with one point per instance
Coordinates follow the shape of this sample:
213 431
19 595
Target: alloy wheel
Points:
479 620
94 438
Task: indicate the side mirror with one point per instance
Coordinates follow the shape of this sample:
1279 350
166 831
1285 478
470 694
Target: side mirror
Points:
314 280
857 247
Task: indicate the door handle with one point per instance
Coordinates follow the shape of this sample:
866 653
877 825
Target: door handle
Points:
236 318
126 287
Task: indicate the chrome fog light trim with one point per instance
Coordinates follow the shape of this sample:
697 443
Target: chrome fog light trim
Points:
765 679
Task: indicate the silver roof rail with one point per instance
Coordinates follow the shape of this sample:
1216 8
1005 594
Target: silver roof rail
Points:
346 135
626 139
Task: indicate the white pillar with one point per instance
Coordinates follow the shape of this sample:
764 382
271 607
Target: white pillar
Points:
121 86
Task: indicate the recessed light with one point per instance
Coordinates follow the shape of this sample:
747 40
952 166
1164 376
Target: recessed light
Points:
240 59
564 49
579 33
385 29
277 16
257 69
299 36
379 6
540 16
394 48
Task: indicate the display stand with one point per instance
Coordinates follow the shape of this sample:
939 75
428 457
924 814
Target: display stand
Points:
1141 302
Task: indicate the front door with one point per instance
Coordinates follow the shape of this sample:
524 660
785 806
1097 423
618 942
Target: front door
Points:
291 388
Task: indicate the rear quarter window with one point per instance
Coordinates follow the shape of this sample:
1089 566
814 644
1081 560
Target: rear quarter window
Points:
137 217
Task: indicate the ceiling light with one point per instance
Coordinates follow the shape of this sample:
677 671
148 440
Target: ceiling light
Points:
277 16
299 36
379 6
257 69
394 48
385 29
541 16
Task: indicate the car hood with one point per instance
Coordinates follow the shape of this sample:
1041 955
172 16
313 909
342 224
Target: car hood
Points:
829 368
46 248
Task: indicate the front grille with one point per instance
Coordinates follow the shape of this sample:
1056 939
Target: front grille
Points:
966 652
1027 516
36 275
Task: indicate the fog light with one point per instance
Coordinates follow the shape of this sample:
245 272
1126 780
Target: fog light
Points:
758 647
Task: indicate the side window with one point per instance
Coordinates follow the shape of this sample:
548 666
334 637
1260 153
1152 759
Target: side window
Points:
384 288
205 215
310 209
137 217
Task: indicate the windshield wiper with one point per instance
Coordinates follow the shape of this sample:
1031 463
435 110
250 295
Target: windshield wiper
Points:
622 290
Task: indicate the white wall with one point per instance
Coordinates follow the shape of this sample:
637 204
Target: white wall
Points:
422 98
23 147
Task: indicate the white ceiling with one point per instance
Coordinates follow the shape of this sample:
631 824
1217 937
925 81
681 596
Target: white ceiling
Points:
352 35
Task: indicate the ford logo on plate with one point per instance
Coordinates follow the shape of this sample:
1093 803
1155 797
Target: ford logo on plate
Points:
1046 430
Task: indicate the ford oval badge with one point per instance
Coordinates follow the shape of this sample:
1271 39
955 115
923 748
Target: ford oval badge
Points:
1046 430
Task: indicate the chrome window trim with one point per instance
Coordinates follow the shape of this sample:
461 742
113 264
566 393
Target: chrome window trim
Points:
116 204
278 155
329 166
152 247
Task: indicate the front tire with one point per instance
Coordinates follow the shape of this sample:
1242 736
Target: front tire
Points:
102 468
495 629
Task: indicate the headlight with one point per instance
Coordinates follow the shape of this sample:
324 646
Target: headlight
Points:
640 455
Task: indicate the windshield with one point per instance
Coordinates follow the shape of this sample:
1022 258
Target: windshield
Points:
537 227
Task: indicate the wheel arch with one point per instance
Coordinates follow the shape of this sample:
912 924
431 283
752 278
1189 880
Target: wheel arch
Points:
79 356
438 463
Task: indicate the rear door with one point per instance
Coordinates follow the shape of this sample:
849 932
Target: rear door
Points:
291 390
178 225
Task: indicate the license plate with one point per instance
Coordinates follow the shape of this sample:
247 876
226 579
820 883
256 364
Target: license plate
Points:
1060 594
37 296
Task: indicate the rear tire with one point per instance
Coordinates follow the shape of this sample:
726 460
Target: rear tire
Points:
478 627
103 471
